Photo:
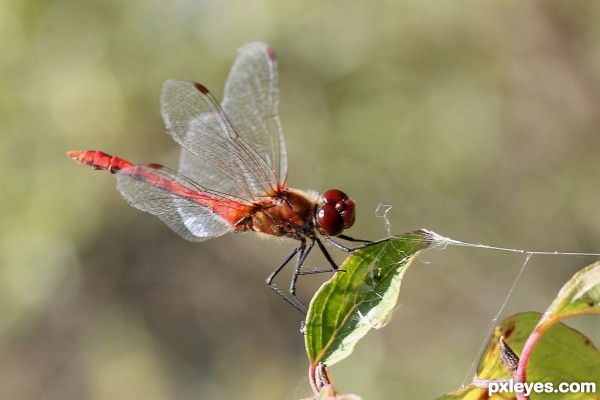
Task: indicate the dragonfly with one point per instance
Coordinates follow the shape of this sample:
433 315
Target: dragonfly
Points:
233 170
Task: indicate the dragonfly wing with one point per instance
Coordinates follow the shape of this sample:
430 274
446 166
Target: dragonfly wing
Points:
187 208
251 102
220 159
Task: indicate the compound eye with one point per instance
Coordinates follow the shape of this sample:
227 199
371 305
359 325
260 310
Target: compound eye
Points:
330 221
333 196
348 214
337 212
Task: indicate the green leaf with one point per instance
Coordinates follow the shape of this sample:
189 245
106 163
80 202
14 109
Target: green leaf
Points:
580 295
562 355
550 351
360 296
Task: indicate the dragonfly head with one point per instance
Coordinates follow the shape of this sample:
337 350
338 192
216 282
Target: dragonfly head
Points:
336 212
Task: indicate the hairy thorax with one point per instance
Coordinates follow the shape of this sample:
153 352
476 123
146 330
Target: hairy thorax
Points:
291 214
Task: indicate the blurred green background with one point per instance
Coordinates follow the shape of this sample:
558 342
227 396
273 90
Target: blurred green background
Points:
478 120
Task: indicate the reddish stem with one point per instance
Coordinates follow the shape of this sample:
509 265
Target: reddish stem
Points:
312 379
521 374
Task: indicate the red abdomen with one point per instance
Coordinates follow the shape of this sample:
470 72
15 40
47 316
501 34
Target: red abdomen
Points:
99 160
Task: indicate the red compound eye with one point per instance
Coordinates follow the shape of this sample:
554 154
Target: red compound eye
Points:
336 214
348 214
333 196
330 221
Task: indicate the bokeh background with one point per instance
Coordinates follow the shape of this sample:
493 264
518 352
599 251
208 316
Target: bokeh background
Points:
478 120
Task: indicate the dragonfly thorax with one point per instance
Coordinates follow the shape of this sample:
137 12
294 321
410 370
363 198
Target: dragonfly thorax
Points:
290 213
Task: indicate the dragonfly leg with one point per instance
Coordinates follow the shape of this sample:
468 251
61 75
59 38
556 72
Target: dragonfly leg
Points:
351 239
297 304
301 252
300 307
333 266
304 250
281 265
364 243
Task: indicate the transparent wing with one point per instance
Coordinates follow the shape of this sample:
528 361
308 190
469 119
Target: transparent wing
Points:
189 209
220 159
251 102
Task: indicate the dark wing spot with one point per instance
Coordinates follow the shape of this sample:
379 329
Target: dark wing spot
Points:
201 88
